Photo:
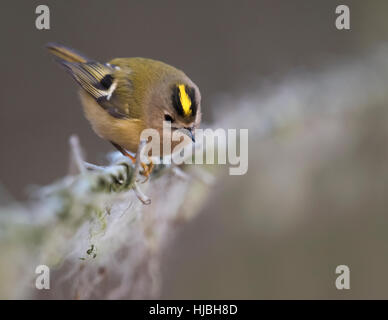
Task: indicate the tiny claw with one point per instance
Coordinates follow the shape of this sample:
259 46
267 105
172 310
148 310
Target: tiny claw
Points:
147 169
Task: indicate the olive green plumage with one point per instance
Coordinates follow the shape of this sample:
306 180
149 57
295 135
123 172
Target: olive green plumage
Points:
127 95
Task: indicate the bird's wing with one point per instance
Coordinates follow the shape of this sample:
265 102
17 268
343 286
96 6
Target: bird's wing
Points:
98 80
95 78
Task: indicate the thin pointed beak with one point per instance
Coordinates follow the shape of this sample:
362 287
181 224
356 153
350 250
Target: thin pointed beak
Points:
192 135
189 132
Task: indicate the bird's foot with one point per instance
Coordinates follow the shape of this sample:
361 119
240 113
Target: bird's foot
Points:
147 169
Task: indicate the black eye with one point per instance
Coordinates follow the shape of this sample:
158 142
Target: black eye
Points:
167 117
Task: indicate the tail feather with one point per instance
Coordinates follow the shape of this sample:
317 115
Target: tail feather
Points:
97 79
66 54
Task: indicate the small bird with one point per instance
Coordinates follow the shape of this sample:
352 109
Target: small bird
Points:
123 97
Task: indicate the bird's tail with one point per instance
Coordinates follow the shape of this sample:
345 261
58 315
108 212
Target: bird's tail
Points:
94 77
66 54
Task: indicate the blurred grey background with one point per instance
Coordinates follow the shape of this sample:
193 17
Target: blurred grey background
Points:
225 47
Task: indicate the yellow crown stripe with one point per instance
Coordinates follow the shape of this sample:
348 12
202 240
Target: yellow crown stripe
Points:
185 100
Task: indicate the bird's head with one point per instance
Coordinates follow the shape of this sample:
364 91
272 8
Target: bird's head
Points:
179 104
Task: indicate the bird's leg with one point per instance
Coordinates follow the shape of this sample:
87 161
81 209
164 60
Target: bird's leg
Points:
140 195
124 152
146 168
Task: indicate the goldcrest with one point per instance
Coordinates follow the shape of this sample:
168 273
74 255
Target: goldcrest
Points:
123 97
